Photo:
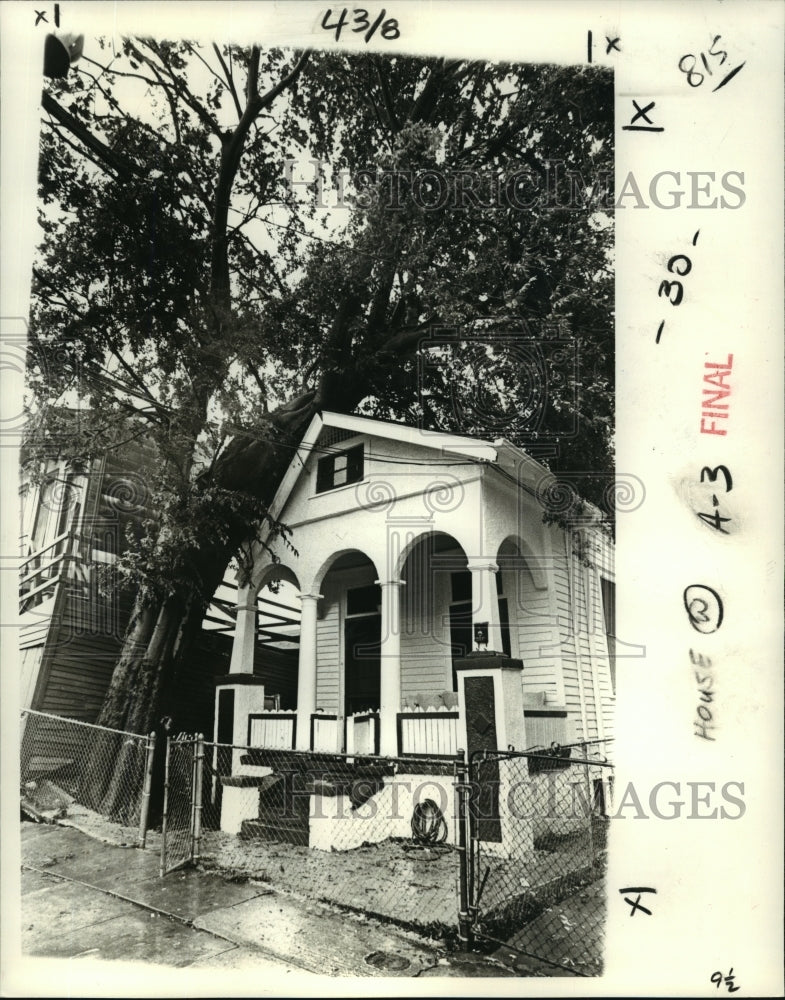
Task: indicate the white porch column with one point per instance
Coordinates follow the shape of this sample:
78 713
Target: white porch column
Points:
244 632
390 667
306 675
485 600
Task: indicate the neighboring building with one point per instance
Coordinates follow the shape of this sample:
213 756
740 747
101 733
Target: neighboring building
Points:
73 613
405 540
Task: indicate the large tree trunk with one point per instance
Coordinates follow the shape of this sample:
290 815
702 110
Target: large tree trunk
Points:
115 772
160 637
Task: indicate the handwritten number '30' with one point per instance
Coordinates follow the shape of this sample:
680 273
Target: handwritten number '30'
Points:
676 286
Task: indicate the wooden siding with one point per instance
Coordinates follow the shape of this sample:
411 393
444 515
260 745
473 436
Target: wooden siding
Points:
29 664
278 668
532 633
569 615
328 651
426 662
588 694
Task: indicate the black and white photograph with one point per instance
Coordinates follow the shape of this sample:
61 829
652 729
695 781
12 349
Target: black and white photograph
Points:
349 351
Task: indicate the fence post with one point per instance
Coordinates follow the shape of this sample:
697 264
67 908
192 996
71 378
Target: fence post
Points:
24 755
166 808
460 772
148 780
589 797
197 792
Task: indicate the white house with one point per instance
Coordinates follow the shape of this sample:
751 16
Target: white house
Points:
404 540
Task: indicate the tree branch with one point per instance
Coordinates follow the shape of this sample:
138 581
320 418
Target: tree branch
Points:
387 97
229 81
180 88
232 145
284 84
60 132
123 167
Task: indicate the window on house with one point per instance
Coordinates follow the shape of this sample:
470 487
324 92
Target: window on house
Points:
363 600
46 514
461 586
609 611
504 624
67 505
340 469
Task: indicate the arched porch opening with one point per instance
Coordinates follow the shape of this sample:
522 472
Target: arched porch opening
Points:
518 595
526 600
349 656
436 619
277 647
341 670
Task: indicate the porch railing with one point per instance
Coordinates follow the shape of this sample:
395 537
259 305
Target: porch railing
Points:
42 570
362 733
432 733
272 730
324 732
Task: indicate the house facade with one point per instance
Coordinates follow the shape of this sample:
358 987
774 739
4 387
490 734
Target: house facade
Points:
74 520
72 614
405 547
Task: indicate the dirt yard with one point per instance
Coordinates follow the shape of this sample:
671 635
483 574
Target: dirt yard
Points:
395 879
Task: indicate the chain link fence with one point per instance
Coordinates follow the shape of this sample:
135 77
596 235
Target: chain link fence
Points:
507 851
372 834
537 860
182 795
85 773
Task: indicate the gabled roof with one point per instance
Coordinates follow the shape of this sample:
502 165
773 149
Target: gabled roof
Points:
499 453
405 433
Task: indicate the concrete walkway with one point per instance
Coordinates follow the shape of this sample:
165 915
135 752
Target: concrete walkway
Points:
82 898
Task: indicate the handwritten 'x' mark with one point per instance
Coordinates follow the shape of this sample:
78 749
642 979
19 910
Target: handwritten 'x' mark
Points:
636 904
40 15
642 113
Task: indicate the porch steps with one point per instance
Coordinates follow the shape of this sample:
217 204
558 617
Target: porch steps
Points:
284 799
283 811
288 831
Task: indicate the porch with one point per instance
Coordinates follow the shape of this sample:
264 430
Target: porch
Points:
372 660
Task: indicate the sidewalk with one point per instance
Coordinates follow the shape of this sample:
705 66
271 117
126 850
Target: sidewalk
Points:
82 898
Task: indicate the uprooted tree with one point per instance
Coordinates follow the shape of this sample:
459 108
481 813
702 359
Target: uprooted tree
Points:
193 295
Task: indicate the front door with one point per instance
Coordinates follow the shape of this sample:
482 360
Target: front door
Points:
362 639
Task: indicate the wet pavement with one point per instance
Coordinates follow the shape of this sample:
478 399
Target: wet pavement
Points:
85 899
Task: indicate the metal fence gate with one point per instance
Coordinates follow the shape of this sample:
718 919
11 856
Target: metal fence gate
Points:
536 856
182 808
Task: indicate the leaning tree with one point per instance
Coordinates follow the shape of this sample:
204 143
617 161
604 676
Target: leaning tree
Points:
195 297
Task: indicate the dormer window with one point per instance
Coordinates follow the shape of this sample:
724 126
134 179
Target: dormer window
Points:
340 469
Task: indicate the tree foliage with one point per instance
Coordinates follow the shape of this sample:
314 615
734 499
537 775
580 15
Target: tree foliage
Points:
187 292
